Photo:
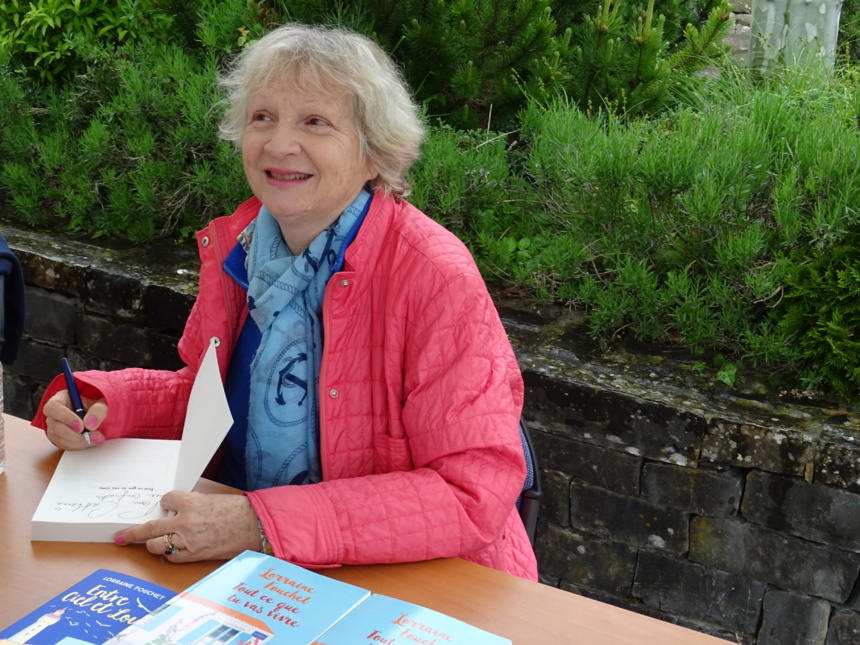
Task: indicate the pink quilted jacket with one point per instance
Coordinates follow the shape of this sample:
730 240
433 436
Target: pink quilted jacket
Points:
420 396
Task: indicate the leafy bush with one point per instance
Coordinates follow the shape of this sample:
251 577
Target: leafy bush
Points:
127 145
469 62
475 62
627 57
695 227
42 37
822 315
460 175
127 148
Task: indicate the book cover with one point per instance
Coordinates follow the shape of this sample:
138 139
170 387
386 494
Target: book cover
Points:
381 620
95 493
89 612
252 599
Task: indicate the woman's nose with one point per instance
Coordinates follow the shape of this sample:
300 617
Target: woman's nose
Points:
284 141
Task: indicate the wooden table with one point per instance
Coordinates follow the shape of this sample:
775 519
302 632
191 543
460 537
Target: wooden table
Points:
32 573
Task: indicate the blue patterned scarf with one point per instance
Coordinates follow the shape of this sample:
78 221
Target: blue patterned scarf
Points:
285 295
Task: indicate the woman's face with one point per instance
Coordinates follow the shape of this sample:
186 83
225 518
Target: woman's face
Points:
302 158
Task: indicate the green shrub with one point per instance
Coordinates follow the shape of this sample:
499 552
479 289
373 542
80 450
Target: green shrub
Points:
469 62
692 227
460 175
43 37
464 180
475 62
633 58
822 317
128 147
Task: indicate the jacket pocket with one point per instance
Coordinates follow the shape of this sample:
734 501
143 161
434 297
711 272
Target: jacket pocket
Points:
391 455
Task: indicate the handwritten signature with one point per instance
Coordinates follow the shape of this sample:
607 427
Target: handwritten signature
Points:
125 503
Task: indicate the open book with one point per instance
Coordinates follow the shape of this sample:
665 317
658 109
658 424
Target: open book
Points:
255 599
95 493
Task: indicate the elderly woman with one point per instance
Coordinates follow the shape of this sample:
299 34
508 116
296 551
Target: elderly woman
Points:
375 393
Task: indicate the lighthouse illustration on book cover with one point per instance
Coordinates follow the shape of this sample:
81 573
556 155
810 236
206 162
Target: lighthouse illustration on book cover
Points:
89 612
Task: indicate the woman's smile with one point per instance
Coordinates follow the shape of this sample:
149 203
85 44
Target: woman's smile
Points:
285 175
302 157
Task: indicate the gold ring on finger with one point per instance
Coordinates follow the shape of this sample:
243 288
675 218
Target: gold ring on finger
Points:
169 547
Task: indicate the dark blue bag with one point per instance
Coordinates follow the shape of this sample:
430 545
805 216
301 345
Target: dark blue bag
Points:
12 308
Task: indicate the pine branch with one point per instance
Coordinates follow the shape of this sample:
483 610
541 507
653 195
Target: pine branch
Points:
700 46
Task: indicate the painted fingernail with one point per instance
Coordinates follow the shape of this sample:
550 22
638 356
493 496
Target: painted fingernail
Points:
91 421
97 438
119 539
77 427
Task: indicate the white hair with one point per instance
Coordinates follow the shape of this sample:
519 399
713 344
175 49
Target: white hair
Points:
334 60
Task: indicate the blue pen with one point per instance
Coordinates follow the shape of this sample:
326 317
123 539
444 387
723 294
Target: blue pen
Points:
74 394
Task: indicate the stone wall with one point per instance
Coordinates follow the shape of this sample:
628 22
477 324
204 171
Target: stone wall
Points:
666 492
738 37
669 493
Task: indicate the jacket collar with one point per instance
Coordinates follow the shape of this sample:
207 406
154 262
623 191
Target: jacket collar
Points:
365 250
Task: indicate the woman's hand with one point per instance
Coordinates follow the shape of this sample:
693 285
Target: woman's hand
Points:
65 428
205 527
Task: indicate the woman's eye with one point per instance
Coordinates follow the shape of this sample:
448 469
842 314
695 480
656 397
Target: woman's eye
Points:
315 120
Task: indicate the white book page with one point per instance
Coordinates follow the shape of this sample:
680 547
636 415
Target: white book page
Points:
206 422
120 484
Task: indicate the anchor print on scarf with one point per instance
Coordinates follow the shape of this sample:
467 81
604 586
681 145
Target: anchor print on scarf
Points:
286 379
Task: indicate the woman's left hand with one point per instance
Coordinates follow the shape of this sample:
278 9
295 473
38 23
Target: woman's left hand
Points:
205 527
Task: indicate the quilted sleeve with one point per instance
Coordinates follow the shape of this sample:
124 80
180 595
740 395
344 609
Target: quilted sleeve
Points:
141 402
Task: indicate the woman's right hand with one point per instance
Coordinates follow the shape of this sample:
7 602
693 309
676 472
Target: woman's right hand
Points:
65 428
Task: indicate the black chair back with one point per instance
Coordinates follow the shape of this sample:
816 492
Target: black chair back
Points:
529 501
